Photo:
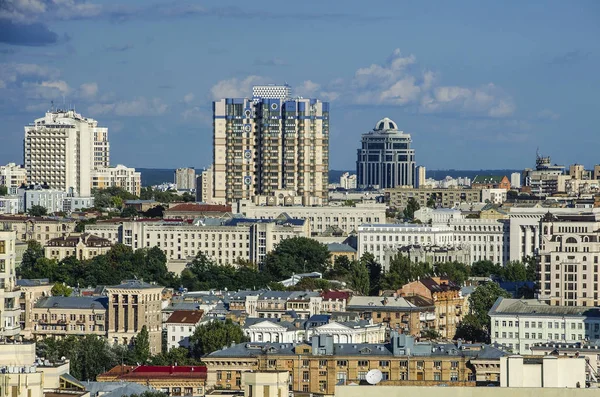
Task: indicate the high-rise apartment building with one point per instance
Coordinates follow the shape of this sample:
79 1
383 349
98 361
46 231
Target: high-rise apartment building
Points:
12 176
120 176
272 91
385 159
185 178
271 147
204 186
421 176
62 148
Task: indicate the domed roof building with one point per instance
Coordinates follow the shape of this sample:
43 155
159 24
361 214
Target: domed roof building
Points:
385 159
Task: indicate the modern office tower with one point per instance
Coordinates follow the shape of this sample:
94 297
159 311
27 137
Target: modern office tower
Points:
421 176
12 176
272 91
62 148
185 178
204 186
120 176
515 180
271 147
385 159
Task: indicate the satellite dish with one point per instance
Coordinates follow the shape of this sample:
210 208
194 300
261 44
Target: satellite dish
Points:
374 376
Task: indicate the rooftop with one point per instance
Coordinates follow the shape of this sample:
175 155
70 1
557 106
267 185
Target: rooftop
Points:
504 306
133 373
378 302
134 284
339 247
73 302
192 207
185 317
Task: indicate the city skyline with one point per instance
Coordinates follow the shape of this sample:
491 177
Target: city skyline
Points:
495 81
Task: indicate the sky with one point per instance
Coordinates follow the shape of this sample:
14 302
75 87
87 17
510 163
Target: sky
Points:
477 84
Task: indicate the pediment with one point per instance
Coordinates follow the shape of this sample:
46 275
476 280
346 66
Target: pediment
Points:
332 326
266 324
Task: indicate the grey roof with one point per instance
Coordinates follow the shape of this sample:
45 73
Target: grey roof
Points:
467 290
286 324
114 389
534 307
73 302
290 221
33 282
378 303
182 306
283 295
338 247
134 284
243 294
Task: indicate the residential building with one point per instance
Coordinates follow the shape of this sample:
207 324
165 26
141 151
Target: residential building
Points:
177 380
268 144
12 176
338 249
121 176
9 205
345 217
544 180
386 159
204 186
180 325
348 181
38 195
493 195
131 306
429 254
62 149
272 91
443 197
484 239
266 384
37 228
274 330
224 241
31 292
318 366
83 246
185 178
10 310
491 182
588 351
515 180
518 324
72 204
447 299
421 176
548 371
409 315
569 252
194 210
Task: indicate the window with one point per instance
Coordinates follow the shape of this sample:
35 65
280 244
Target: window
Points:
363 363
437 364
272 363
454 364
384 363
342 363
437 376
362 375
322 363
453 376
305 376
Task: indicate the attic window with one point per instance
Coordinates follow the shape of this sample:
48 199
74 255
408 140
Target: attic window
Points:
365 350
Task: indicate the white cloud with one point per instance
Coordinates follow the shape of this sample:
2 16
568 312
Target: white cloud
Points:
14 73
28 11
234 88
197 113
547 114
88 90
140 106
308 88
188 98
50 89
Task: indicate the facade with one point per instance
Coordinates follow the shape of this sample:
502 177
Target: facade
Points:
12 176
9 205
318 366
225 241
348 181
544 180
62 149
10 310
204 186
589 351
515 180
447 299
119 176
266 384
484 239
131 306
185 178
547 371
82 246
31 292
266 145
385 159
272 91
444 197
337 250
569 252
180 325
519 324
71 204
436 216
37 228
346 218
178 380
493 195
51 199
430 254
421 176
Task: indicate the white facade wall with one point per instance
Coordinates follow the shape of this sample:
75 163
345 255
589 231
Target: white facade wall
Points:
493 196
77 203
185 178
486 239
347 218
348 181
12 176
10 310
119 176
178 334
52 200
9 205
371 333
437 215
515 180
267 331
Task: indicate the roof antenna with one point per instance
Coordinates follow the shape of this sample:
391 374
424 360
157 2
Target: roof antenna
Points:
52 106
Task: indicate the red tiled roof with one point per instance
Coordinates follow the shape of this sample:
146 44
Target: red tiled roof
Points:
191 207
185 317
332 295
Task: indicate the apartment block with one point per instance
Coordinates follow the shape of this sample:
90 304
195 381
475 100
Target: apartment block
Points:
185 179
445 197
12 176
83 246
322 218
121 176
37 228
10 309
269 144
180 325
61 150
204 186
38 195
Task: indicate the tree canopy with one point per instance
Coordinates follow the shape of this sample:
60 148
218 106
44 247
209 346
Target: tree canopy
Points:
477 323
215 335
141 346
37 210
3 190
60 289
296 255
411 206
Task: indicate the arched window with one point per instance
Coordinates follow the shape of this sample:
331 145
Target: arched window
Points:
571 240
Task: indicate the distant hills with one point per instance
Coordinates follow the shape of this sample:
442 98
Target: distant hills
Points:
156 176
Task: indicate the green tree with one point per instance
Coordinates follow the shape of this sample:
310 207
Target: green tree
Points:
531 266
455 271
80 227
296 255
146 193
117 202
411 206
215 335
3 190
470 330
401 271
431 202
129 212
485 268
141 346
359 277
33 252
175 356
430 334
514 271
187 197
37 210
312 284
61 289
481 301
374 268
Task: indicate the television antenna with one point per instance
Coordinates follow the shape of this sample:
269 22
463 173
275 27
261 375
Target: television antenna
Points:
374 376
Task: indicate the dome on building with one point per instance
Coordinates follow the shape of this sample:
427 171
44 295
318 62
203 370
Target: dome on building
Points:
385 124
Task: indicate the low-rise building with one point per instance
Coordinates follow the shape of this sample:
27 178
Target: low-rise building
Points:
338 249
74 203
43 196
12 176
41 229
589 351
548 371
31 292
180 326
494 196
518 324
121 176
273 330
334 301
448 198
491 182
83 246
196 210
9 205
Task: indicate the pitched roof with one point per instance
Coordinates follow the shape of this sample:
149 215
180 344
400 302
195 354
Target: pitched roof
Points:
192 207
444 285
134 284
185 317
536 307
133 373
339 247
378 303
89 240
333 295
73 302
485 179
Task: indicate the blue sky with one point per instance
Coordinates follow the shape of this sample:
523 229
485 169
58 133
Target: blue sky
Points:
477 84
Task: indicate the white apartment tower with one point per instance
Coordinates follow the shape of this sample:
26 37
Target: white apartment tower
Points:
62 148
267 146
185 178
